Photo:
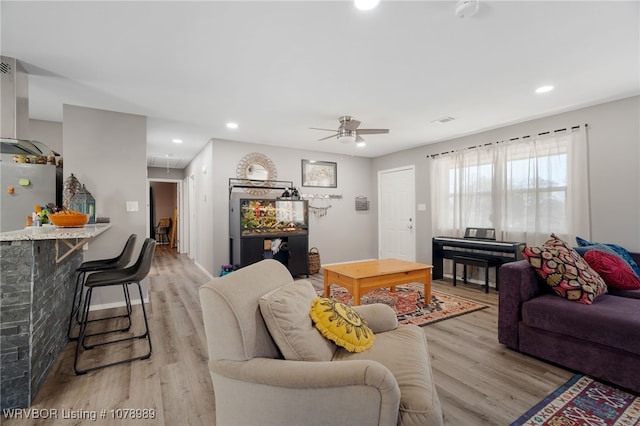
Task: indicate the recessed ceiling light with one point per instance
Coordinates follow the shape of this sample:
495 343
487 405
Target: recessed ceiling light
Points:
544 89
366 4
361 144
177 140
232 125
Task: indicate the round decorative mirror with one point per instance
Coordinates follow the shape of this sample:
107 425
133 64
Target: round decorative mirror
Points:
257 172
256 169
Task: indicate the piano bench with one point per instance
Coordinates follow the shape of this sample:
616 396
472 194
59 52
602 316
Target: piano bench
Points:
483 262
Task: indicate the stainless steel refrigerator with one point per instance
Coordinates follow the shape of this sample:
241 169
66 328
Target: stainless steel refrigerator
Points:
24 185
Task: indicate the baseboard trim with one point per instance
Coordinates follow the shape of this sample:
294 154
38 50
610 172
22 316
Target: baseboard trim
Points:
342 263
203 270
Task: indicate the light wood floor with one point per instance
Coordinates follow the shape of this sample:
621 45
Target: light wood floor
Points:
479 381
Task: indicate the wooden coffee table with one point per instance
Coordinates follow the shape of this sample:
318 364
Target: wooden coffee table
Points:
362 277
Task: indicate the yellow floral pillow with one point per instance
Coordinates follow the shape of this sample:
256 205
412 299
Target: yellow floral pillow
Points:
341 324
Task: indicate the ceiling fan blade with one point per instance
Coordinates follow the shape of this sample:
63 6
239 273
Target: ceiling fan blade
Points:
351 124
317 128
359 138
372 131
328 137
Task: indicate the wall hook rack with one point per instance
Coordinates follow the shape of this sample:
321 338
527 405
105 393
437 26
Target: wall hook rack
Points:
322 196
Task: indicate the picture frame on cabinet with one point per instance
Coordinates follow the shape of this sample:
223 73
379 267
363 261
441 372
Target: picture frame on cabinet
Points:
319 174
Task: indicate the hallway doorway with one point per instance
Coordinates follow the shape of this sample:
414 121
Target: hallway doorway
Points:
164 208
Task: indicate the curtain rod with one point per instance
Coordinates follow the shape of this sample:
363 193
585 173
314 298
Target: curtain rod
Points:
510 140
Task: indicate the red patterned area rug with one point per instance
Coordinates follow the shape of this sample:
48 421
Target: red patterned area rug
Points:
408 301
584 401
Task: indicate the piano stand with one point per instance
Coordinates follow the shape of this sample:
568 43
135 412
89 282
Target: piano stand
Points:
484 262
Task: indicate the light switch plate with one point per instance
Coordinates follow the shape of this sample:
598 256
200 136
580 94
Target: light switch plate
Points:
132 206
422 207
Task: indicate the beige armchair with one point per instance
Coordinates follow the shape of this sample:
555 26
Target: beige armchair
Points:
318 383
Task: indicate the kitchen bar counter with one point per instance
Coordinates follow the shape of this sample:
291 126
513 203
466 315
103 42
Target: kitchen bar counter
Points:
37 282
66 236
53 233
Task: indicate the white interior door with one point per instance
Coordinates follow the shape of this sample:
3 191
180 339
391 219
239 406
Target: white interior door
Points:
396 223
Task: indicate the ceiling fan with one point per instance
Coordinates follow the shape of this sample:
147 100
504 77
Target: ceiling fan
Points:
348 130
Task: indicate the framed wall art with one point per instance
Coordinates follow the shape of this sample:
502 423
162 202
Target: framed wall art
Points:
319 174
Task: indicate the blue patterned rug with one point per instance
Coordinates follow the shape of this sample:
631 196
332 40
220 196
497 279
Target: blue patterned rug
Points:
584 401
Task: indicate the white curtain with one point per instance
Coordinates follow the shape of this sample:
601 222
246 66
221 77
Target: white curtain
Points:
525 188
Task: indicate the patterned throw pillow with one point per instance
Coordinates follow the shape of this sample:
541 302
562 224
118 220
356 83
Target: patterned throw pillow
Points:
341 324
615 271
568 274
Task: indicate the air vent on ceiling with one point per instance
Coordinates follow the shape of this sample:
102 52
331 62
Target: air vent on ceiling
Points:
443 120
5 68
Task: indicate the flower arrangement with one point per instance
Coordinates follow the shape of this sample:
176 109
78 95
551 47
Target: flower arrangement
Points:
41 213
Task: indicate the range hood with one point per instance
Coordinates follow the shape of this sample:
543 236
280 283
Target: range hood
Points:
22 146
14 111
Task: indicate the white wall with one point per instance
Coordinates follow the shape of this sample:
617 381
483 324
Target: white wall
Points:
342 235
162 173
47 132
614 168
206 219
106 151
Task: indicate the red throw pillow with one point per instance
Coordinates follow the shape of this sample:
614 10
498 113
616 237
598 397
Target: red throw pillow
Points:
615 271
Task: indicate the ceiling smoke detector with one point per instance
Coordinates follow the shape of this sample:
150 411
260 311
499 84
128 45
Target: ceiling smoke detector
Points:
467 8
443 120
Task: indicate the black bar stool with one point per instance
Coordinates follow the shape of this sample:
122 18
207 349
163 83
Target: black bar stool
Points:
95 266
125 276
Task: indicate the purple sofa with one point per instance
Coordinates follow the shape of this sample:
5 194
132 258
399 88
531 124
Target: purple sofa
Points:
601 340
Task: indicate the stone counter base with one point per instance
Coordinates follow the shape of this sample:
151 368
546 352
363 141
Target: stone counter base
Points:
35 294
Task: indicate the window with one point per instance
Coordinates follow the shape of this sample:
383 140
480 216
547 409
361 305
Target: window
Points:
537 185
526 189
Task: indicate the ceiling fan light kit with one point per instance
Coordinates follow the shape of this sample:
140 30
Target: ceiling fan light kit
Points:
346 136
348 131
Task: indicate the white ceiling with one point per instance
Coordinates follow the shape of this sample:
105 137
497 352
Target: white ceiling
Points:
278 68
